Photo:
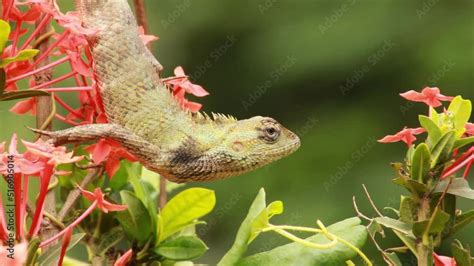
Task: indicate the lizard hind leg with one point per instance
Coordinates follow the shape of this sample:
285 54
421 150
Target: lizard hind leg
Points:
146 152
78 134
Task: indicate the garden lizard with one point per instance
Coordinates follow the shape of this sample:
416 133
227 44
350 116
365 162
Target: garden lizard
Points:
145 118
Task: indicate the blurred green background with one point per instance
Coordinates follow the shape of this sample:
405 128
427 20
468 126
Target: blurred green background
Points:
329 70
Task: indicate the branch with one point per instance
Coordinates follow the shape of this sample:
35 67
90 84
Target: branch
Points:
371 201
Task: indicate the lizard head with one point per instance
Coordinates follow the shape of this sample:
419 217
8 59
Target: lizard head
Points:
243 145
257 141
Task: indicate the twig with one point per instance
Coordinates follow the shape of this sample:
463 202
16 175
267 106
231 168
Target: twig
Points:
75 194
371 201
361 215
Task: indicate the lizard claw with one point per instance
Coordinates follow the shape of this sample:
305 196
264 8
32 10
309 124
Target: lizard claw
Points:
41 132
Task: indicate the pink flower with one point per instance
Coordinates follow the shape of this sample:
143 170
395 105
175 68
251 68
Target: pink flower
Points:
430 96
469 129
189 87
19 256
180 85
98 200
111 152
102 204
406 135
146 38
443 260
23 164
51 155
124 259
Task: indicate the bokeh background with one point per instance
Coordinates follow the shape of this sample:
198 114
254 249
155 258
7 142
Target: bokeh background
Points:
329 70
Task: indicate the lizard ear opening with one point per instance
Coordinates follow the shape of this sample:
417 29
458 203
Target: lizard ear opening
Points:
238 146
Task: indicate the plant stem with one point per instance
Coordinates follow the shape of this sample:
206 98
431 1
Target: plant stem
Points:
424 252
43 110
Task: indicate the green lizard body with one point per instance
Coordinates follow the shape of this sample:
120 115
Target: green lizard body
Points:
145 118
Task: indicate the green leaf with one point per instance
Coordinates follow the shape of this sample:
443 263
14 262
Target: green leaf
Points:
263 219
22 55
136 220
51 255
134 171
461 255
463 142
183 209
392 259
412 185
459 187
395 225
434 132
463 220
437 225
154 179
297 254
32 253
407 209
420 163
181 248
4 33
442 149
109 240
373 228
14 95
239 247
461 109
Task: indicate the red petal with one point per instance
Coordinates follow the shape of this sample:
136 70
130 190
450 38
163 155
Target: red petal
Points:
412 95
112 166
179 71
443 260
124 259
109 207
101 151
87 194
23 107
390 138
66 240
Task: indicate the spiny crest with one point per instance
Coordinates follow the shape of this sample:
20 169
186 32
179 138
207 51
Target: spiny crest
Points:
217 118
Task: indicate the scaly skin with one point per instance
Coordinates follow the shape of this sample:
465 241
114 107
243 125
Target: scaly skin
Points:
145 118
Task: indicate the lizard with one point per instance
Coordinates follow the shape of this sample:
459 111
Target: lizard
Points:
145 118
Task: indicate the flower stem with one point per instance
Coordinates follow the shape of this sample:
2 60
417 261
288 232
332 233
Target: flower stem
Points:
72 225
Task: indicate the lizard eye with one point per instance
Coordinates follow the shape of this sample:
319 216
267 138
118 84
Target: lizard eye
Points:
271 133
